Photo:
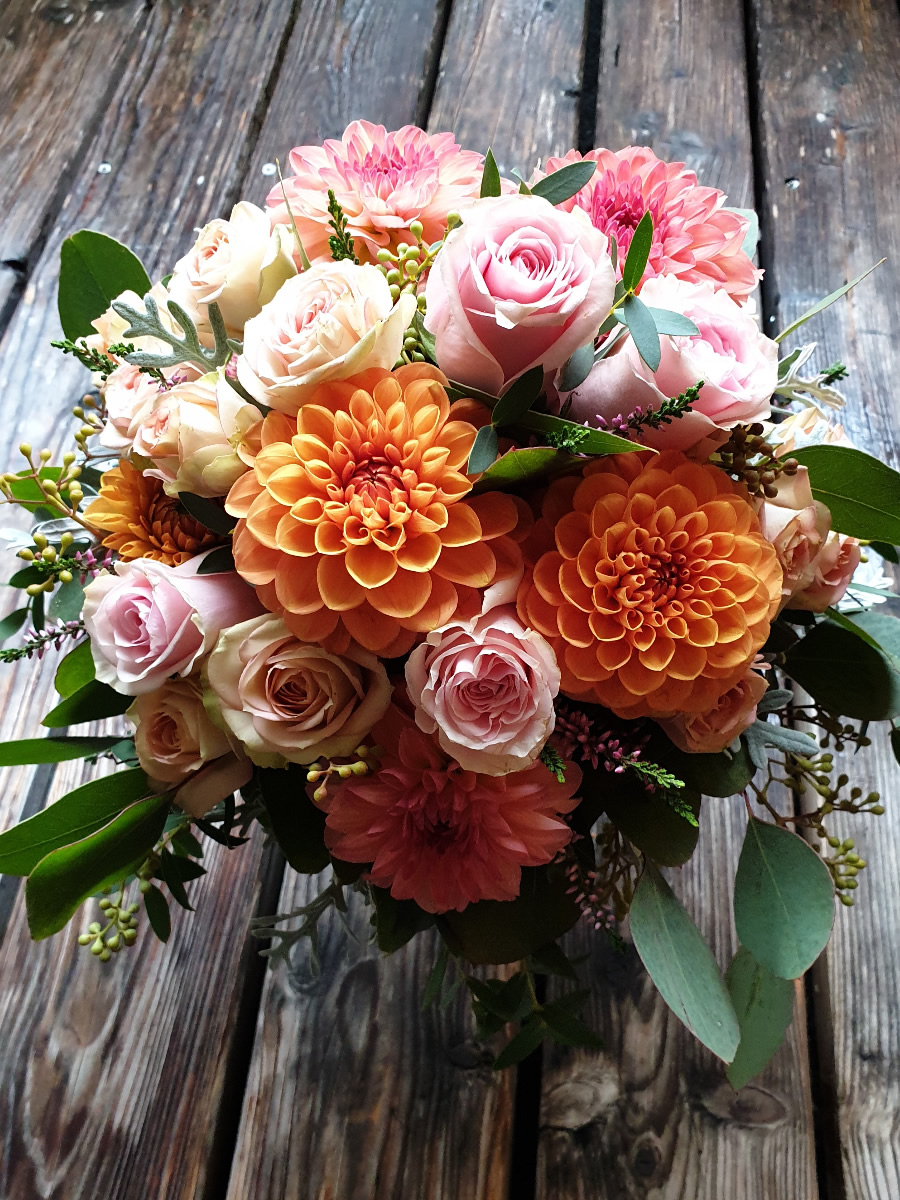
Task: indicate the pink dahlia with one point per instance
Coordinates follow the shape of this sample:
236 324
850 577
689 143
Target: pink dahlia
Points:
383 181
440 835
694 236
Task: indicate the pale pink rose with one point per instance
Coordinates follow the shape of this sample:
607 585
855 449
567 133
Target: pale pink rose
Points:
148 621
130 395
486 686
111 327
239 264
737 363
518 284
694 235
286 701
331 322
833 572
710 732
797 526
193 436
383 181
178 746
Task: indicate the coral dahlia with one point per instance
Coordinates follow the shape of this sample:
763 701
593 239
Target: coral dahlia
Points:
694 236
353 518
660 588
383 181
141 521
440 835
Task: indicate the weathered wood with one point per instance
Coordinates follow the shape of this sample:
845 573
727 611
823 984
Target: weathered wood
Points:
828 91
59 65
652 1113
510 78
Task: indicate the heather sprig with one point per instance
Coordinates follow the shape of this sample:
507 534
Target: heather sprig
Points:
654 418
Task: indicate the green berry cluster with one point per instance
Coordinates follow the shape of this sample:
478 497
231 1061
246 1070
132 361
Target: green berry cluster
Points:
120 929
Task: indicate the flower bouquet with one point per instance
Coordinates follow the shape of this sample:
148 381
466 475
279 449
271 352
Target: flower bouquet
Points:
462 532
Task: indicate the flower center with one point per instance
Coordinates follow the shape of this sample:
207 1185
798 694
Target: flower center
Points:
616 209
382 170
436 814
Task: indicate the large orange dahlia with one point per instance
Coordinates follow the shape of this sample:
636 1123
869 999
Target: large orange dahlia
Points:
353 521
659 587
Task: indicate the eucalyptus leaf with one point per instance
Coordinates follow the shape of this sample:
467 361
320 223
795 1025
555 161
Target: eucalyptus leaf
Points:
764 1004
217 562
751 237
826 303
563 184
207 512
672 323
724 774
638 253
396 921
158 915
843 673
642 327
94 270
490 179
576 368
92 702
66 602
519 397
645 817
484 450
682 966
783 900
861 492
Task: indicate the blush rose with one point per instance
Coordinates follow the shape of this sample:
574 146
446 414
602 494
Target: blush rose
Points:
518 284
711 731
486 686
286 701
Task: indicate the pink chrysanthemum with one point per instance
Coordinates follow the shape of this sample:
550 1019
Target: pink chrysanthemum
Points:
694 236
383 181
440 835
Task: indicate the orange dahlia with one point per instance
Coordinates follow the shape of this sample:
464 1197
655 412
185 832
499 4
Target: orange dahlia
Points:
660 587
356 520
141 521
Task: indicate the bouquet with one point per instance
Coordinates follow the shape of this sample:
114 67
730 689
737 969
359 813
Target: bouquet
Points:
462 532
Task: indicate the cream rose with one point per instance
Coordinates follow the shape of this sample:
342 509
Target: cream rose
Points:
130 395
331 322
148 621
178 746
240 264
711 731
486 686
286 701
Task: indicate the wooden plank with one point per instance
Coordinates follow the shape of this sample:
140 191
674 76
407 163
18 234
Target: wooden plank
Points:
59 66
828 91
652 1112
402 1102
510 78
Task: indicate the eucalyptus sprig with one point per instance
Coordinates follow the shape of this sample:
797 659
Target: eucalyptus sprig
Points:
185 348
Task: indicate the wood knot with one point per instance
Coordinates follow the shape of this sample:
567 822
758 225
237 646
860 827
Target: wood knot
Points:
646 1158
751 1106
580 1099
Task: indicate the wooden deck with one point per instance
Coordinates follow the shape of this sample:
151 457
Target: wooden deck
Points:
191 1072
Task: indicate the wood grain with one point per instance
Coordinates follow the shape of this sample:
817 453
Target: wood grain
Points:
652 1114
828 94
510 78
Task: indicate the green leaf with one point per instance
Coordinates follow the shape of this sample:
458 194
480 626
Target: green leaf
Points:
764 1004
217 562
577 368
751 237
62 881
25 577
561 185
66 602
29 496
552 960
638 253
13 623
682 966
783 900
173 879
569 1029
298 825
508 999
94 270
502 931
895 743
844 674
646 818
74 816
671 323
823 304
54 749
642 327
37 611
490 179
596 442
75 670
519 398
524 1043
396 921
158 915
887 551
484 450
436 975
861 492
92 702
207 512
185 843
522 466
782 737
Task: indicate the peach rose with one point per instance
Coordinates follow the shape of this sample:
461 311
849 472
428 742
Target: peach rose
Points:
486 686
192 436
147 621
833 571
331 322
240 264
130 395
518 284
797 526
286 701
178 746
736 361
711 731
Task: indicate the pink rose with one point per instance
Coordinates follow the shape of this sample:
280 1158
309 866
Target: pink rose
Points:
736 361
148 621
797 526
177 745
518 284
711 731
486 686
286 701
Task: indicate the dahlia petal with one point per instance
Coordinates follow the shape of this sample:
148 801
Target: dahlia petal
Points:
338 589
370 566
463 527
293 538
253 561
313 627
296 586
372 629
474 565
497 513
403 596
243 492
420 553
438 609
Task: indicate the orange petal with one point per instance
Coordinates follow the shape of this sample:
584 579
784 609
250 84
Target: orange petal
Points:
313 627
296 586
496 512
338 589
474 565
263 518
242 495
294 538
255 563
438 610
463 527
403 596
370 566
373 630
420 553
